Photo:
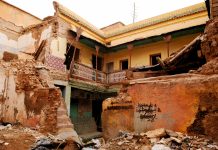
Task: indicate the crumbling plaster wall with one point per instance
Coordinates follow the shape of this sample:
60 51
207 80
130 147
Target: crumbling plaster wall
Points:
170 102
28 96
9 34
16 39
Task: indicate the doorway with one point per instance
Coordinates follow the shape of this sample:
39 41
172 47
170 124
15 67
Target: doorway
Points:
153 58
100 62
110 67
124 64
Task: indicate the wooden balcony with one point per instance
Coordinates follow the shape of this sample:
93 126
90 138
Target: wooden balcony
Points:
116 77
84 72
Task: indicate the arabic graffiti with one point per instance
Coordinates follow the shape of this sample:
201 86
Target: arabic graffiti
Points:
147 111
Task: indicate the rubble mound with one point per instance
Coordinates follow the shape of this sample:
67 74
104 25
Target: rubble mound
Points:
209 68
159 139
22 138
210 40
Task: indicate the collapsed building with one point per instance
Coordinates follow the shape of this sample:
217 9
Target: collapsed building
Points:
152 66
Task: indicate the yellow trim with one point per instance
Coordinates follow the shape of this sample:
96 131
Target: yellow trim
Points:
159 25
100 39
130 33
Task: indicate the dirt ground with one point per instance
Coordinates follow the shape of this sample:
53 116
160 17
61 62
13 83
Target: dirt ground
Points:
17 138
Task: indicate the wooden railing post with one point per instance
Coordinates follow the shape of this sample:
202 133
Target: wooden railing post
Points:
96 63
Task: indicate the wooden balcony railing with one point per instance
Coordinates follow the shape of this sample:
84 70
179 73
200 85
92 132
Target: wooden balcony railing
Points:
116 77
84 72
81 71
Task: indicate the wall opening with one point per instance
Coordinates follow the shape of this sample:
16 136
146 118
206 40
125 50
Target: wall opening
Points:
62 88
153 58
99 62
110 67
85 111
124 64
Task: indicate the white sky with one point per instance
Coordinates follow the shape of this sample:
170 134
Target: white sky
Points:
105 12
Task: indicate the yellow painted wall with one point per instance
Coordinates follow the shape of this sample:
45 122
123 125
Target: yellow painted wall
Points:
141 54
161 28
86 54
16 15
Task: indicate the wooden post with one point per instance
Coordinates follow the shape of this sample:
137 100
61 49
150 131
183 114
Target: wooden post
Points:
167 39
78 33
130 47
168 49
96 63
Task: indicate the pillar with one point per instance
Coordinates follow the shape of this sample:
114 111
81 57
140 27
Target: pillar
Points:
67 97
130 47
167 39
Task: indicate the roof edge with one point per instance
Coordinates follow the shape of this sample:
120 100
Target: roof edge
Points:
186 11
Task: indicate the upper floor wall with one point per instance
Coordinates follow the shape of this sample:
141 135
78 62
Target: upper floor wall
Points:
22 41
142 55
173 21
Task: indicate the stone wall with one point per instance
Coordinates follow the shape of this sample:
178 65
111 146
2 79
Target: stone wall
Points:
171 102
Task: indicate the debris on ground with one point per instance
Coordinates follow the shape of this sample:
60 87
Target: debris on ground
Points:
21 138
159 139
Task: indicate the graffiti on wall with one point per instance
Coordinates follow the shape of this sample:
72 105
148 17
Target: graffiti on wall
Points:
147 111
119 107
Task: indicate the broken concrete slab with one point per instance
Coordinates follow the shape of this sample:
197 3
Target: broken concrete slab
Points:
160 147
156 133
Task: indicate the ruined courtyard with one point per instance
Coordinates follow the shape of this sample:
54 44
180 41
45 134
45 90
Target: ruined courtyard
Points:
68 85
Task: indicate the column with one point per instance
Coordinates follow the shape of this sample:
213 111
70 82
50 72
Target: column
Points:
130 47
67 94
167 39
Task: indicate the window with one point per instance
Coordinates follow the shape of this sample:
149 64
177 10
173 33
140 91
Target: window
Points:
124 64
100 62
153 58
110 67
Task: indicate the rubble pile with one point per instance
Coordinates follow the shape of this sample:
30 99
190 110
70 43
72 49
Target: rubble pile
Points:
18 137
26 72
209 68
209 41
159 139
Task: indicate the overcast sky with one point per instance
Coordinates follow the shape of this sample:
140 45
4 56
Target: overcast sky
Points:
105 12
